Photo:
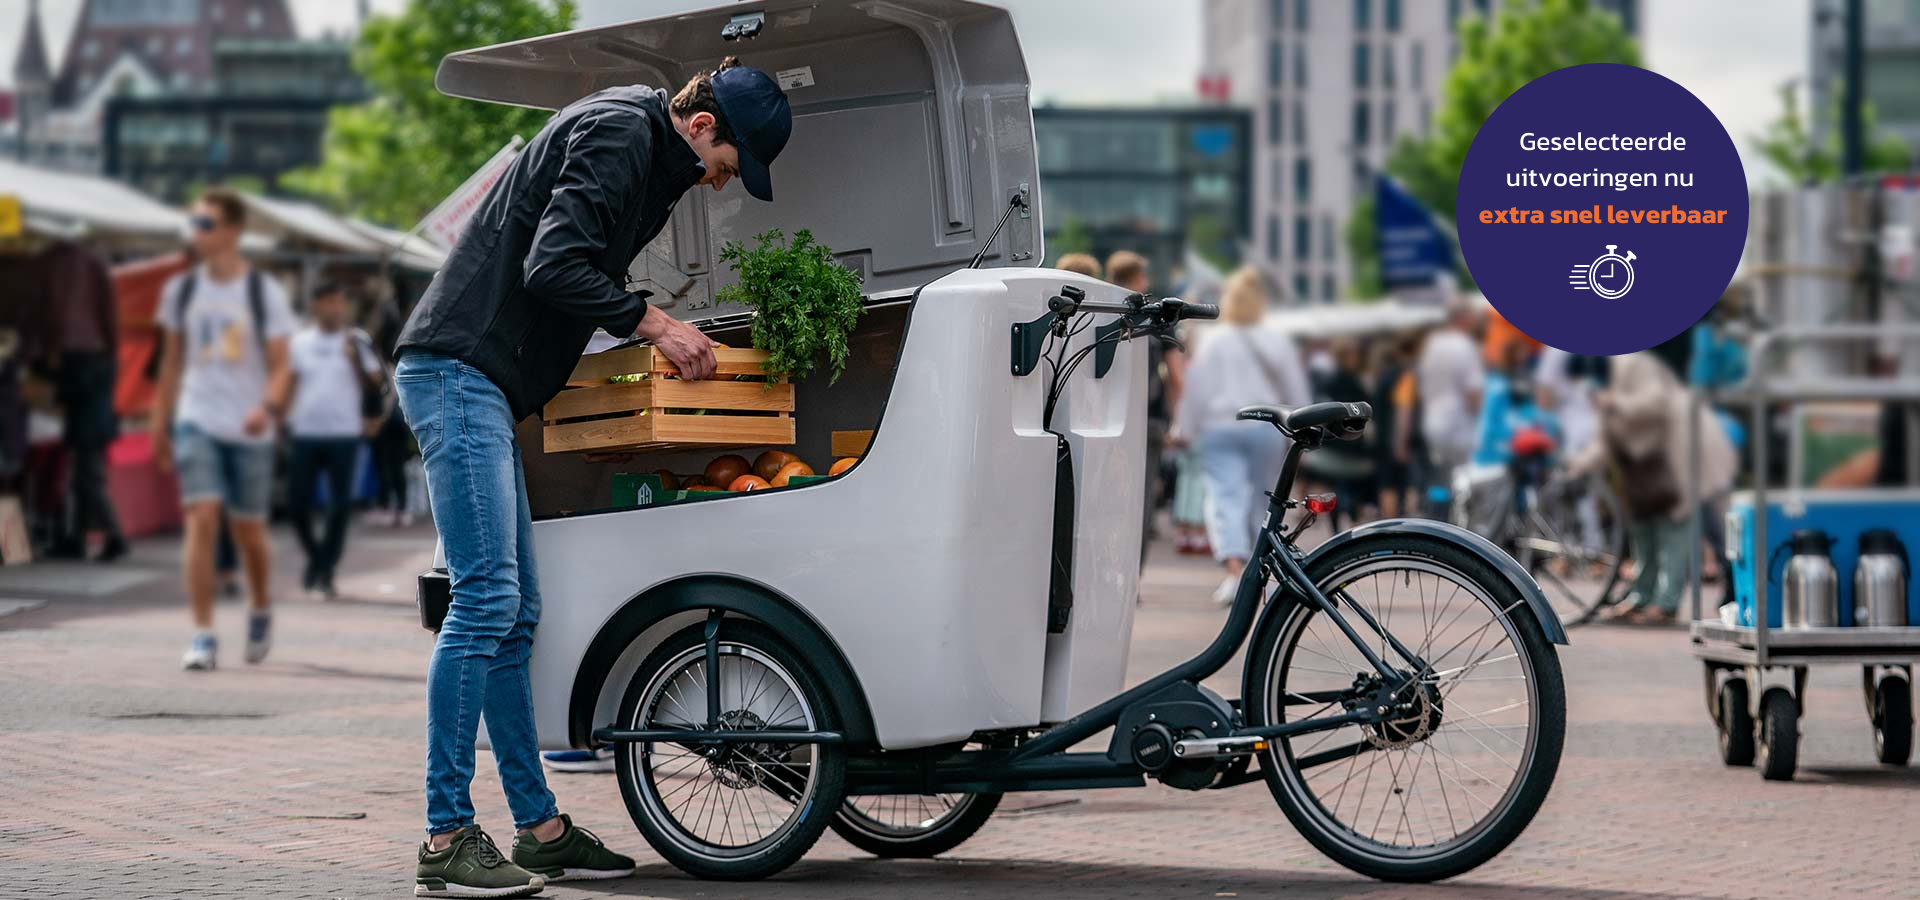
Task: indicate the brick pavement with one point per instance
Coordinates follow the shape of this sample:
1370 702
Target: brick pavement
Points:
124 777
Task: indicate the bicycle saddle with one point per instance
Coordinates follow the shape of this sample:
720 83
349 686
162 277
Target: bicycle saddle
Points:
1345 421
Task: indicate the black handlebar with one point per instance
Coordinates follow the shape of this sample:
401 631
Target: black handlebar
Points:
1163 312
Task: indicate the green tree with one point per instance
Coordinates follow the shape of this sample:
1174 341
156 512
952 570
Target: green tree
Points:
1361 249
1073 237
1788 144
1523 40
1209 236
392 158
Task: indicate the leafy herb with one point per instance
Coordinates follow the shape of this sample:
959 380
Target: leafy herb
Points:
805 304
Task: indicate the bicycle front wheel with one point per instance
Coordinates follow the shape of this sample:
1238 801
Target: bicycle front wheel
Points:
1467 753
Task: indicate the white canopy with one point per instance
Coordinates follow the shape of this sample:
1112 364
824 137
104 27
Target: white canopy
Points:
1338 320
285 221
64 204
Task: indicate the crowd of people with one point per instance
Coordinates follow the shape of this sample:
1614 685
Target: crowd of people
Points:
253 401
1467 398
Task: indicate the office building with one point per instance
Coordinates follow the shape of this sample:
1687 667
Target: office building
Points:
1153 180
1331 85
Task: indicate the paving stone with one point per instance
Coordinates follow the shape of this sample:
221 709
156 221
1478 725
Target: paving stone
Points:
123 777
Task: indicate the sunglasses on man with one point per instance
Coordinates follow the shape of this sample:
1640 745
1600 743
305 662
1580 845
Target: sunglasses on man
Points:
202 223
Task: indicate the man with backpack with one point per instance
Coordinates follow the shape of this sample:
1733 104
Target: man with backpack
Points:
338 389
223 383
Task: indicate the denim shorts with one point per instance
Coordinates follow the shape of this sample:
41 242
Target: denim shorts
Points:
239 475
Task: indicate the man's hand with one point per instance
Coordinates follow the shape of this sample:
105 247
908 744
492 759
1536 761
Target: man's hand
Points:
258 421
686 347
163 449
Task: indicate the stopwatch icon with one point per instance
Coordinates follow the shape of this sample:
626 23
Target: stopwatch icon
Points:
1610 276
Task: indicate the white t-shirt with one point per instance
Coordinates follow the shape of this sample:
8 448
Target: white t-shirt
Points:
326 394
1449 370
224 372
1240 366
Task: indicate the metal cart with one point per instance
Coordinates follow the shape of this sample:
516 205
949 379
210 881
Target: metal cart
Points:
1756 675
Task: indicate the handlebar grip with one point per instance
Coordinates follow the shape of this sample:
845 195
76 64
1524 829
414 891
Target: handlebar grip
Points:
1200 311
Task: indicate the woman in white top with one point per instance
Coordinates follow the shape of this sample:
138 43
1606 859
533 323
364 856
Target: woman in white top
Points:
1238 365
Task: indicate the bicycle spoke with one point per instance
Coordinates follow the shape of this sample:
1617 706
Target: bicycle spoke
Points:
1433 785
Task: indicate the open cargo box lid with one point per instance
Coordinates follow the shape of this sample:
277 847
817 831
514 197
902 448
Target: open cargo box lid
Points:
912 130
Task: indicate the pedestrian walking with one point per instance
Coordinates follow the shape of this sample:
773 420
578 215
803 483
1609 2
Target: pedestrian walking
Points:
593 187
1566 383
1079 264
1345 466
335 376
1238 365
1393 432
1451 381
392 442
223 384
1128 271
1187 506
1645 433
81 290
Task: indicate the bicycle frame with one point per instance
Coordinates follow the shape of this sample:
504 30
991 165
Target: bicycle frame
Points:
1041 762
1272 553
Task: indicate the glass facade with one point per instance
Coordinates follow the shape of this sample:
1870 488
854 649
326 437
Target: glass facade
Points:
1148 180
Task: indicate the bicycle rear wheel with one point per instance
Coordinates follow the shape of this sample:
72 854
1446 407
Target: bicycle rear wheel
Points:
1461 766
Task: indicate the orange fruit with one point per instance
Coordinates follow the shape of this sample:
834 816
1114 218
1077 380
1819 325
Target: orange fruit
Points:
785 476
841 465
668 480
748 483
770 463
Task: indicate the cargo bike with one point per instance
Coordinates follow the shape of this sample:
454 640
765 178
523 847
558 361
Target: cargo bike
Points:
888 651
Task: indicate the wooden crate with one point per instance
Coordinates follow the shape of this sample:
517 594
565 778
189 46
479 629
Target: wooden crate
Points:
593 415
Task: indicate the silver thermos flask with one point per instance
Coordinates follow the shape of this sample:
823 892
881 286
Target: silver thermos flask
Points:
1880 580
1811 589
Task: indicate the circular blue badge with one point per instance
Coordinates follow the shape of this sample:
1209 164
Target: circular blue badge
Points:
1602 209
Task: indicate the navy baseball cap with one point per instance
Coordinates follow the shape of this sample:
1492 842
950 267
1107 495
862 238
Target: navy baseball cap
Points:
757 112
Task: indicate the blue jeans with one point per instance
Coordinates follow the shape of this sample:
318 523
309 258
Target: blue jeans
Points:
479 499
1239 462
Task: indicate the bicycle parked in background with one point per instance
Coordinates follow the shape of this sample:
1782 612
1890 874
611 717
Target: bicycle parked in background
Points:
1568 531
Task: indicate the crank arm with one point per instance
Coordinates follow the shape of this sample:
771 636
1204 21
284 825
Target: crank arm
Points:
1210 748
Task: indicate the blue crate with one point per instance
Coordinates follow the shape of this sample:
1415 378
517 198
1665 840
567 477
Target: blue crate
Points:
1844 514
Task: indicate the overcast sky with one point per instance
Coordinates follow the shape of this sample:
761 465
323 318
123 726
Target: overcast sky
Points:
1731 53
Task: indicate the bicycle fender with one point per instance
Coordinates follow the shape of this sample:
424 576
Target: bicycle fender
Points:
1486 550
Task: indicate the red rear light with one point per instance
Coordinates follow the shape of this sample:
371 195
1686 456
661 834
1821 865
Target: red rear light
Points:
1320 504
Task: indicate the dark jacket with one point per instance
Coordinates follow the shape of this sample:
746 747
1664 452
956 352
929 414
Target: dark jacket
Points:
544 261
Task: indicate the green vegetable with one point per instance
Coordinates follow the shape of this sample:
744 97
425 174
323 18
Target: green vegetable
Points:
805 303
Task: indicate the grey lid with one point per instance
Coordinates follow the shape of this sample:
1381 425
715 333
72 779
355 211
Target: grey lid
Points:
912 129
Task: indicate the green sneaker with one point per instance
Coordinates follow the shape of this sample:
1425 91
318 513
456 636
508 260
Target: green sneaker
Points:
576 855
472 867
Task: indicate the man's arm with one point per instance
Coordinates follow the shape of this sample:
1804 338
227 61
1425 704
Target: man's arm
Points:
280 382
599 182
172 348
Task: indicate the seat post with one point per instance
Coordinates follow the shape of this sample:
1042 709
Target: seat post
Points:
1277 506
